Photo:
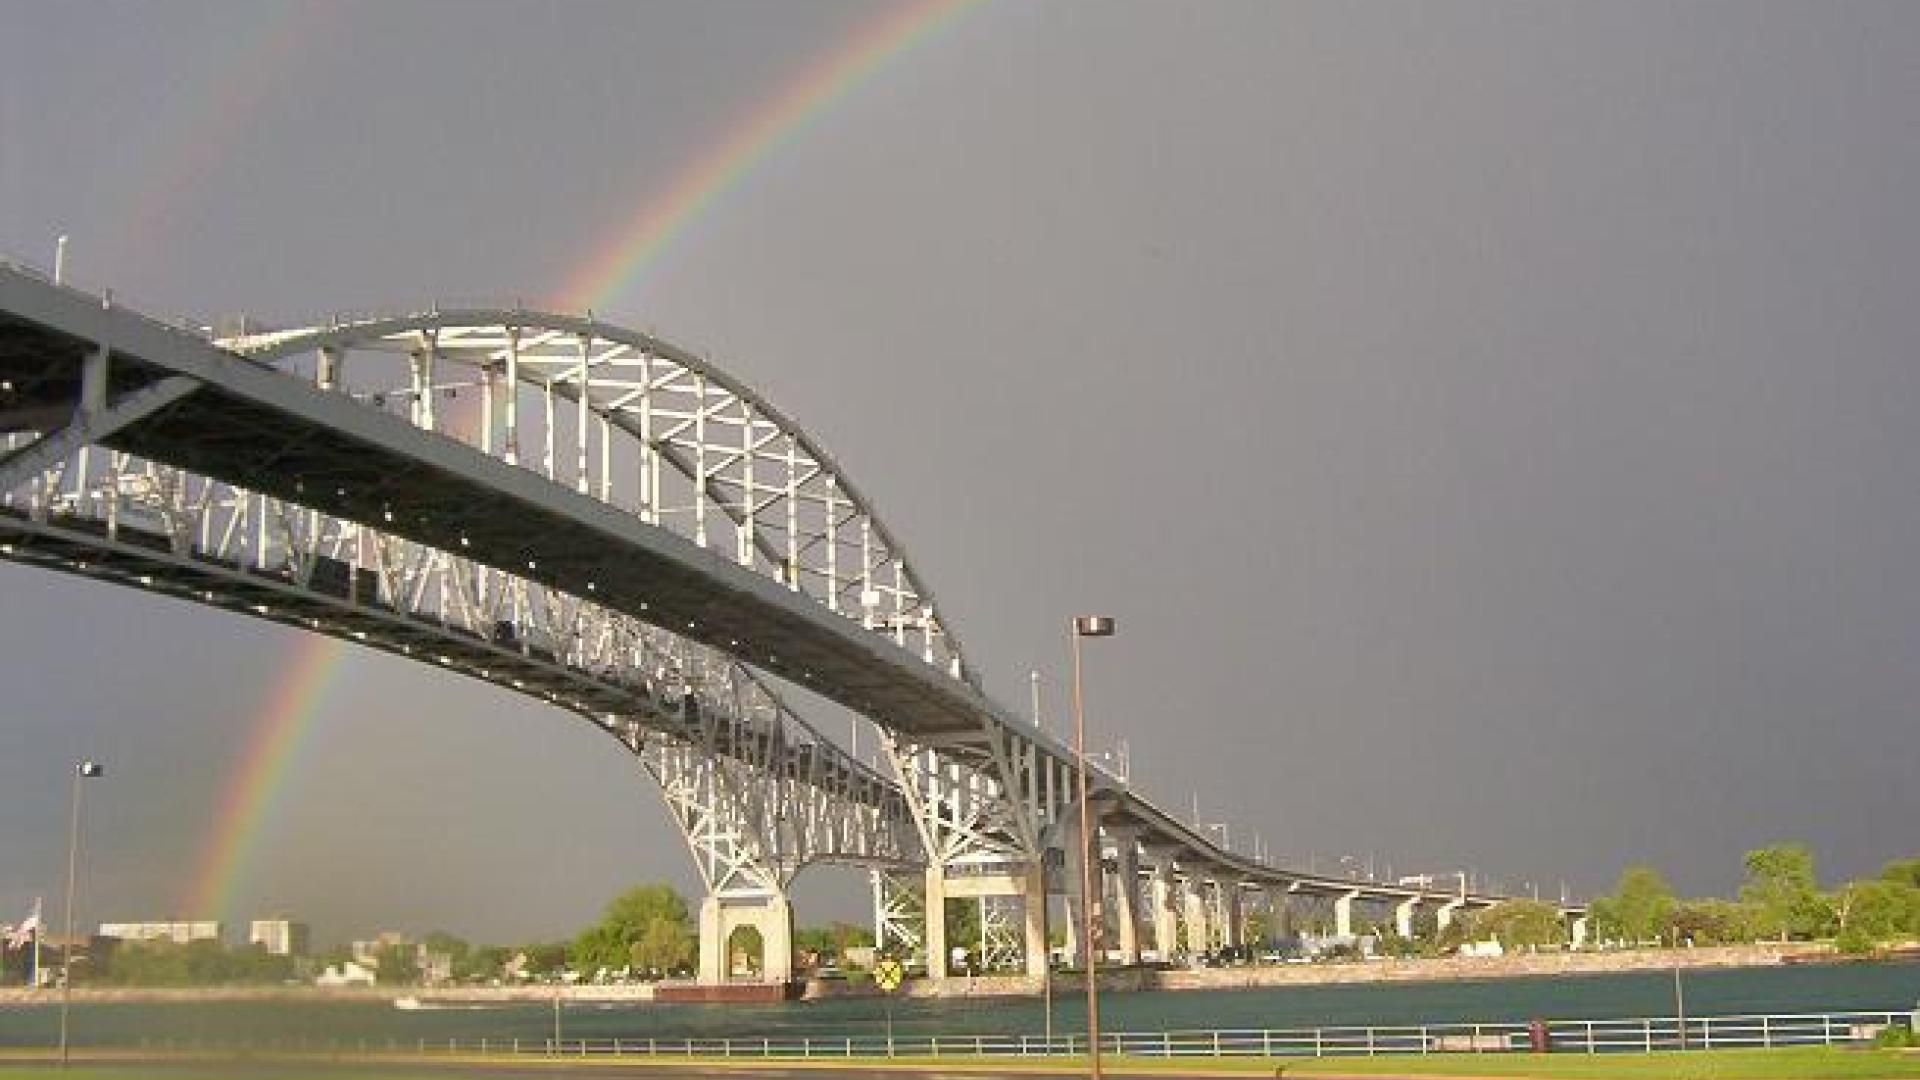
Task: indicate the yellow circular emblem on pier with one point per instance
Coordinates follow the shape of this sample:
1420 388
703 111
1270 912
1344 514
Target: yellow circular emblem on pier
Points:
888 974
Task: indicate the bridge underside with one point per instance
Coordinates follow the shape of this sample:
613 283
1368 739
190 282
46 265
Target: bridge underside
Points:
224 479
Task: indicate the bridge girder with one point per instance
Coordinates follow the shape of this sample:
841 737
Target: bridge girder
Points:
614 474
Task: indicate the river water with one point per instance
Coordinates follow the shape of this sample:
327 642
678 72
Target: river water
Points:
1798 988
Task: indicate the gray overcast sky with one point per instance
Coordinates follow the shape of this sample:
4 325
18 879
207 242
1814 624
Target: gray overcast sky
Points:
1493 423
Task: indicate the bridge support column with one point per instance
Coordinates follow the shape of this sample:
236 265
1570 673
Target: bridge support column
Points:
771 915
1403 916
1126 893
1232 931
1074 865
1034 920
936 905
1576 929
1194 900
1166 921
1343 914
1443 918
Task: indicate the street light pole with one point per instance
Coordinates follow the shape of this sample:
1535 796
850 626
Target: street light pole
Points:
81 771
1087 626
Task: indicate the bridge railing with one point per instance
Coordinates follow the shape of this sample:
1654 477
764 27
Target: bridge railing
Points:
132 305
1608 1036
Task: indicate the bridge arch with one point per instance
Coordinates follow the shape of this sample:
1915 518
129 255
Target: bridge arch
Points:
644 425
269 472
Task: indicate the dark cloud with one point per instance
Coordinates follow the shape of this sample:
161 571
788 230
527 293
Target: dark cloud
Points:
1491 422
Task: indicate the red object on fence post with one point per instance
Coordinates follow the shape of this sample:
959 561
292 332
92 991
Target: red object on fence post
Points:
1537 1038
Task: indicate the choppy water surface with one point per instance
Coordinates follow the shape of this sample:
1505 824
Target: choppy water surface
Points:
1805 988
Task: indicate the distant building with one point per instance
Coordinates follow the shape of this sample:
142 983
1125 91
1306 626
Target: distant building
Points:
282 937
178 932
434 967
367 953
347 974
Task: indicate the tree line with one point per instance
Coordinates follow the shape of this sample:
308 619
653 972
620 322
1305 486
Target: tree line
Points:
1780 899
645 932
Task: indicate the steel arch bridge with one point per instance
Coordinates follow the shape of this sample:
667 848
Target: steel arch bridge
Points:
596 518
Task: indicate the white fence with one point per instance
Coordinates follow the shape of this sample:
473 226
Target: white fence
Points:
1640 1035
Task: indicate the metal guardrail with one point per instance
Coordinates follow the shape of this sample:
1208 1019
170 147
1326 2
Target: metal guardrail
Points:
1630 1035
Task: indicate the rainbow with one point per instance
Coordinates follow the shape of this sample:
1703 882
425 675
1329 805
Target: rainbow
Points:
661 220
248 802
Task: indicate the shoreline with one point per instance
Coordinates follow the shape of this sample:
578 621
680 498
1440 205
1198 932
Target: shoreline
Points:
1374 972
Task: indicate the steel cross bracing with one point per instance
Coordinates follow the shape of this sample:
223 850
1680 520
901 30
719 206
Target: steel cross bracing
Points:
756 790
545 466
630 420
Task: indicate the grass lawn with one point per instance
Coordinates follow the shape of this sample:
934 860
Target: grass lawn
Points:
1795 1063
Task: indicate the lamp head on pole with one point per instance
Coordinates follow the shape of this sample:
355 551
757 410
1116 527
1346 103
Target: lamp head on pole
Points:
1093 626
89 769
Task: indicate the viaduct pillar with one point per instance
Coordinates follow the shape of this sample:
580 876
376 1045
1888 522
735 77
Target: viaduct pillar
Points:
1576 928
1166 920
1194 901
1403 916
721 915
1126 893
1343 914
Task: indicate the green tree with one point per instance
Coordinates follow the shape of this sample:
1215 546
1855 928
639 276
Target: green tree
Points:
196 963
746 942
1878 910
482 963
609 943
1781 886
1713 921
546 957
1640 908
665 947
963 927
833 939
397 965
1521 924
448 945
1903 870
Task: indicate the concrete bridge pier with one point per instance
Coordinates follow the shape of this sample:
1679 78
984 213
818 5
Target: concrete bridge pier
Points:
1193 900
1077 851
1403 916
769 913
1034 918
1232 930
1576 928
1343 913
1126 893
935 898
1443 917
1166 919
1028 882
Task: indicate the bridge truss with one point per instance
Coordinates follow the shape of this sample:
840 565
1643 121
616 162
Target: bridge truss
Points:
594 517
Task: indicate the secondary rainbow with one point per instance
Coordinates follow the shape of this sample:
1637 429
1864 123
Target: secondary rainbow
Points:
268 43
247 805
660 221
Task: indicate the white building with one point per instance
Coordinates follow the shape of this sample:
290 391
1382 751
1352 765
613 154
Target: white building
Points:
347 974
282 937
178 932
